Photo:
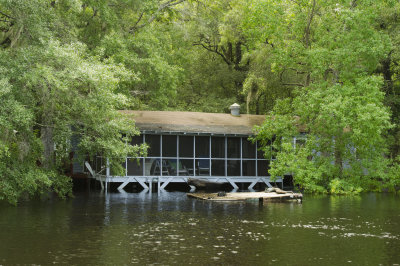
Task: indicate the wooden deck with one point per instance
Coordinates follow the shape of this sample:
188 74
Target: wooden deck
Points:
243 196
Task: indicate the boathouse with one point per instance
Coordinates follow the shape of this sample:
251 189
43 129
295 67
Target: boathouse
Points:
182 145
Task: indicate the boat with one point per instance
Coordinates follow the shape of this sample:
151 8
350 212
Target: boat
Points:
204 184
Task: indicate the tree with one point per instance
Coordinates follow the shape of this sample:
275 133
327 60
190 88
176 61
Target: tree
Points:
334 48
213 26
53 90
328 67
389 68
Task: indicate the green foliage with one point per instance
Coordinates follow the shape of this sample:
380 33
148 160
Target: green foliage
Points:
213 63
53 88
327 68
150 55
62 89
339 186
392 181
336 99
19 150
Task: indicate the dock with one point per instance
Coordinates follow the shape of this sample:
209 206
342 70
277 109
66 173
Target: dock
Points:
249 196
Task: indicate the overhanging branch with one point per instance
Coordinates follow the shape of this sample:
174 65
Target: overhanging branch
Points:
214 49
8 16
161 8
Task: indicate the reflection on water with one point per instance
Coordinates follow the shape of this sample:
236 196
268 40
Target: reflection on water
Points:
169 228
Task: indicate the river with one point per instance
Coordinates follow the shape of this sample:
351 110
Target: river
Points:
169 228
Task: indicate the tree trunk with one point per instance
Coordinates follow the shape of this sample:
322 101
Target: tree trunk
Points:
238 90
387 74
238 53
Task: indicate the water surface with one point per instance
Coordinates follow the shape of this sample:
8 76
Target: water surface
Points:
169 228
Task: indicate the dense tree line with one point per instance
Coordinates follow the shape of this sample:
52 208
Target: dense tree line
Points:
68 66
334 55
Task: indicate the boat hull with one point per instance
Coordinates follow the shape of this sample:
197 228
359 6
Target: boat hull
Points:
205 185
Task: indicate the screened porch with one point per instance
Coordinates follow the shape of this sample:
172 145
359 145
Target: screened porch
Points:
176 157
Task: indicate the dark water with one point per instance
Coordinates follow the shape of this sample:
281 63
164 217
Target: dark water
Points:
170 228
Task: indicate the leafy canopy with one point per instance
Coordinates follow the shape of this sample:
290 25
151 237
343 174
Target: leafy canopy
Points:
333 48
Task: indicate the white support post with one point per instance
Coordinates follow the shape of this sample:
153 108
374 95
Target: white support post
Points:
90 169
107 175
108 168
232 183
166 182
141 183
144 159
151 185
161 162
266 182
253 183
129 179
101 183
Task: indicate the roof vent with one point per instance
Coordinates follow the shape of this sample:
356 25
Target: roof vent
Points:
235 109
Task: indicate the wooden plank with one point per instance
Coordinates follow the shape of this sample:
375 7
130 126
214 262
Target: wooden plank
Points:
90 169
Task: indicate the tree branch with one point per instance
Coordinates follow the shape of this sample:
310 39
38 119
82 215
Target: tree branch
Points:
298 71
8 16
267 42
161 8
307 29
213 49
42 125
293 84
139 19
